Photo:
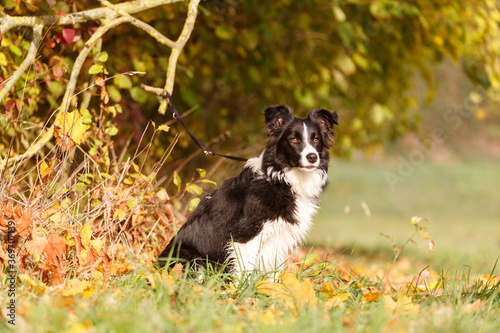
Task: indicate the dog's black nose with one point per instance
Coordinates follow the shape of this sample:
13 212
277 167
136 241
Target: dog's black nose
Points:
312 157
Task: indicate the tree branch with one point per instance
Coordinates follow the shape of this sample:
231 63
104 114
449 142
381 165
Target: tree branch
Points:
131 7
181 41
142 25
30 57
114 15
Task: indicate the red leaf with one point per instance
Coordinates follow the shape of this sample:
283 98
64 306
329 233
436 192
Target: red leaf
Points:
47 79
68 34
50 42
92 27
58 38
51 3
19 105
10 104
58 72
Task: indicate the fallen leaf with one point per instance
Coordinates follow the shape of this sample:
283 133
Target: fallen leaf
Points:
36 286
54 250
37 243
290 291
76 286
177 271
472 307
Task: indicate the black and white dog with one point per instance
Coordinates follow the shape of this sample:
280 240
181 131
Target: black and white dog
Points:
254 220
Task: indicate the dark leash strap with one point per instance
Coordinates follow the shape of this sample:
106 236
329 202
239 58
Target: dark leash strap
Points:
200 144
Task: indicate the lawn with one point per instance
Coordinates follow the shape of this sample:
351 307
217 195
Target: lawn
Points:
346 279
461 201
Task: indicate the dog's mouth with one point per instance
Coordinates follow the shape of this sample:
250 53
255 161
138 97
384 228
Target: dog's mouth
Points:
309 167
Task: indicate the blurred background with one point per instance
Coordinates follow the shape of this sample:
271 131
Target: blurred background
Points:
415 84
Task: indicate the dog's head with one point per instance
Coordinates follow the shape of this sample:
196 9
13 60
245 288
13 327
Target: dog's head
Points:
299 143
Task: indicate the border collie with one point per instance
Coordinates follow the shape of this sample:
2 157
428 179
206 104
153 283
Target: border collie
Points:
253 221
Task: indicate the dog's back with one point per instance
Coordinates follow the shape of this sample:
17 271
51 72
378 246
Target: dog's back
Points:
254 220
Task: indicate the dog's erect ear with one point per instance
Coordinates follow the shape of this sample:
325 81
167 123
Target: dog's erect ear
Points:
276 117
325 119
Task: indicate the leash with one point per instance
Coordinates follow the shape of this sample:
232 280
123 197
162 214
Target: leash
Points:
200 144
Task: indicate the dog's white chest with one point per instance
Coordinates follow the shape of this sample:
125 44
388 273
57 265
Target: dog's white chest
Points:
271 247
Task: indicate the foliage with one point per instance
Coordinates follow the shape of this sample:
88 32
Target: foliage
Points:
86 210
314 294
358 57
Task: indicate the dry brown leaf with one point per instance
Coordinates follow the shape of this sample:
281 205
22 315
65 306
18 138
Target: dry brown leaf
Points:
54 250
37 243
92 256
177 271
24 221
107 269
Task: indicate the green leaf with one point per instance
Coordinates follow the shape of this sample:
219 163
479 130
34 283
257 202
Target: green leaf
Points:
201 172
122 81
112 131
16 50
207 181
95 68
177 180
225 32
56 88
138 95
193 204
114 93
112 110
103 57
194 189
164 128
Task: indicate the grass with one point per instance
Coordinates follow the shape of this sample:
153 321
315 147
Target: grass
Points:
459 200
346 282
149 302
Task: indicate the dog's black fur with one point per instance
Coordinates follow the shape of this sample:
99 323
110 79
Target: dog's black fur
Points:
265 192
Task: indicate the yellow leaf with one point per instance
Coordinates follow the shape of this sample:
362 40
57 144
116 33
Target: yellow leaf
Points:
46 169
371 296
389 303
85 234
75 286
34 285
71 123
97 244
290 291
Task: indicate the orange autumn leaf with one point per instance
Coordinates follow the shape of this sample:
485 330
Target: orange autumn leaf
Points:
371 296
177 271
54 250
37 243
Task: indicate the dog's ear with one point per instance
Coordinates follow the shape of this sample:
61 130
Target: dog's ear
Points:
276 117
325 119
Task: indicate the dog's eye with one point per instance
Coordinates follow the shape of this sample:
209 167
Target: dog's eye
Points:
315 140
294 140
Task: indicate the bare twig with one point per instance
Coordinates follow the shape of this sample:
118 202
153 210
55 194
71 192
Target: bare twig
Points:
30 57
181 41
113 15
96 14
141 25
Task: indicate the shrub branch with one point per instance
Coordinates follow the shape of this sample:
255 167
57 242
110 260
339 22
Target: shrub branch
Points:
110 16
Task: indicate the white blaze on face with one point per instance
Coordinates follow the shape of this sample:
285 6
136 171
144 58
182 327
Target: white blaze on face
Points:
308 149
